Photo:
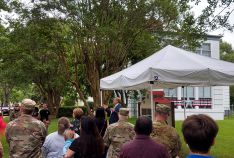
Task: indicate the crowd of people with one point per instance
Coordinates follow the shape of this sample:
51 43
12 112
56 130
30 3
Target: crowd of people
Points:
96 137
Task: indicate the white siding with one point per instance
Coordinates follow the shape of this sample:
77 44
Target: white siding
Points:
214 48
221 96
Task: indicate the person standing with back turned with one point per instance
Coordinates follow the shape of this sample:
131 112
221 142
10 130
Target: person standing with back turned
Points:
26 134
44 113
143 146
54 143
199 133
164 133
118 133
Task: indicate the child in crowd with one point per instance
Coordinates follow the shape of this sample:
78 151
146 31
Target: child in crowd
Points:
199 133
69 136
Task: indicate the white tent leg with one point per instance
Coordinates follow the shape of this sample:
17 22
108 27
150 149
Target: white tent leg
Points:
152 104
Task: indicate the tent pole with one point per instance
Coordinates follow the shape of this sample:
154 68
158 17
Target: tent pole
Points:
184 104
101 97
152 104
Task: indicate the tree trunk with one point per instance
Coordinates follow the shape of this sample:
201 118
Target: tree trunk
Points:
106 96
81 95
93 74
95 90
6 92
53 101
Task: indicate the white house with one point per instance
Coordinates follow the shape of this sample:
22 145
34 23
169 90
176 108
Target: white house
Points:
212 101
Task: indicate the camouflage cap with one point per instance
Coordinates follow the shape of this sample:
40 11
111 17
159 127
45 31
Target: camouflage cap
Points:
124 111
28 104
162 108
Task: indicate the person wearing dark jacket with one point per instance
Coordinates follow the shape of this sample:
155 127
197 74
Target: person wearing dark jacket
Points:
114 112
44 113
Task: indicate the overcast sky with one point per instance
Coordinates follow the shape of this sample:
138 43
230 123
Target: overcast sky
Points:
227 35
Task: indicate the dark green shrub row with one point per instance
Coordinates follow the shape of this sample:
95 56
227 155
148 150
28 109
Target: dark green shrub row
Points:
66 111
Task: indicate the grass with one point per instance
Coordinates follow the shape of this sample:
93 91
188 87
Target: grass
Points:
224 145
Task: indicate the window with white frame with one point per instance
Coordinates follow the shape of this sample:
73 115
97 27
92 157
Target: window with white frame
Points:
204 50
188 92
204 92
170 92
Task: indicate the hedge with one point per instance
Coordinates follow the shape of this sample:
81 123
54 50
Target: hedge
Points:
67 111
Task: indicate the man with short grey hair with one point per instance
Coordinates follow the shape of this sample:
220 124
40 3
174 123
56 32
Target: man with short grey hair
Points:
26 134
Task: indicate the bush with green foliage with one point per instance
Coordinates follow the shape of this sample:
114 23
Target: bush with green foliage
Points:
68 110
67 101
90 104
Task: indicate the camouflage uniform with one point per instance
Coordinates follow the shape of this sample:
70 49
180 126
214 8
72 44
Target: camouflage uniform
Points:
164 134
116 135
25 136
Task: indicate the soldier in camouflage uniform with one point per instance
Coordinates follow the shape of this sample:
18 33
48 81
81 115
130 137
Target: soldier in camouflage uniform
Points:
15 113
118 133
26 134
165 134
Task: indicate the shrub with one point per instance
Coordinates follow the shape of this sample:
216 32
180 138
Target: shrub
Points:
90 104
68 110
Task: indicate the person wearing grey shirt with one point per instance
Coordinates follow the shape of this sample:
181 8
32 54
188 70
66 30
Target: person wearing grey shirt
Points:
53 145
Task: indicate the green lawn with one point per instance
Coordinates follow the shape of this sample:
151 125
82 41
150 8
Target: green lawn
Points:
224 146
224 143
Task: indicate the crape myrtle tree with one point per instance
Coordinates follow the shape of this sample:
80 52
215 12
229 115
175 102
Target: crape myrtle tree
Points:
32 58
100 37
110 35
13 86
30 55
5 84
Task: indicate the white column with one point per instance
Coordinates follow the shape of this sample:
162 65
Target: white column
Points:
196 93
179 93
179 96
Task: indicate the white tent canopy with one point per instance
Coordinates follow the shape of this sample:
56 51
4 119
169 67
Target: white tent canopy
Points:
172 67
